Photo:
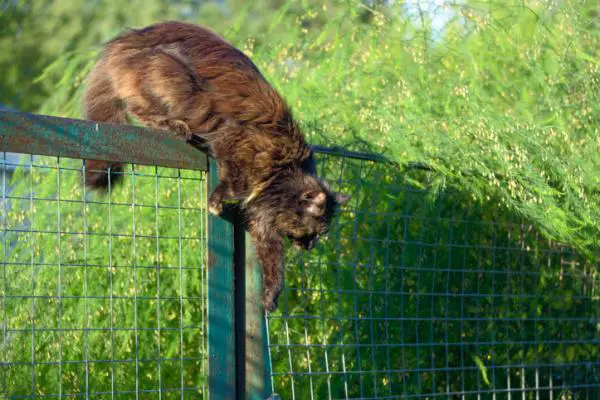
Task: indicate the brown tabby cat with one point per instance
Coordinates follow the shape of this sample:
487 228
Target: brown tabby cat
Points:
184 78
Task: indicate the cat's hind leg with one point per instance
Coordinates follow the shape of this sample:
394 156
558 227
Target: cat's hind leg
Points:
157 86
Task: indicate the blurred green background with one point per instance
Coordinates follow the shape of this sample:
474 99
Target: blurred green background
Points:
501 99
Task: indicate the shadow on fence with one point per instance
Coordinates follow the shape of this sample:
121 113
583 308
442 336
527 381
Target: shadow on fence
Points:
411 296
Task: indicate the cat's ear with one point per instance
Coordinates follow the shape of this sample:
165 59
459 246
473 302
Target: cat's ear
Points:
316 202
314 196
341 198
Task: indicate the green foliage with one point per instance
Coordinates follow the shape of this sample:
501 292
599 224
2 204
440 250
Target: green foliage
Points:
503 103
35 33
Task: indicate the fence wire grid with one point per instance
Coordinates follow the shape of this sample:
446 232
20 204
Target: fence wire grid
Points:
410 297
103 295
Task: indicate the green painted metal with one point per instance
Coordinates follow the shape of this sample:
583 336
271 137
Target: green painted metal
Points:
257 361
64 137
239 364
221 305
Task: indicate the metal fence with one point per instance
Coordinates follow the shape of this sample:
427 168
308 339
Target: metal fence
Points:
103 295
138 293
415 296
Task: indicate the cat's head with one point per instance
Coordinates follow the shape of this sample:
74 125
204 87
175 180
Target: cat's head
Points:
301 206
316 209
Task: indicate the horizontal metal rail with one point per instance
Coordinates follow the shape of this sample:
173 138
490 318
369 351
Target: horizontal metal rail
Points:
73 138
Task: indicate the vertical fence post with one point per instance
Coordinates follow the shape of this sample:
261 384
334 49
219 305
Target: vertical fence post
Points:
221 303
238 357
256 357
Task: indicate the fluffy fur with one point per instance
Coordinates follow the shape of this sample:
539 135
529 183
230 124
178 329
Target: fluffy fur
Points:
185 78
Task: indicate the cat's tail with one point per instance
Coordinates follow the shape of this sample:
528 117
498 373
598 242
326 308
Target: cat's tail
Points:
102 104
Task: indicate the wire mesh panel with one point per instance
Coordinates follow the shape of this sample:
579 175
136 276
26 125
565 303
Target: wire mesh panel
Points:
412 296
103 295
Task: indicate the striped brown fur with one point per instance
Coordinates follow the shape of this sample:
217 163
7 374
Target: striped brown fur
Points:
184 78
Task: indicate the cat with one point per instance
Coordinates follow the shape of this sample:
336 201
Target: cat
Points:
185 78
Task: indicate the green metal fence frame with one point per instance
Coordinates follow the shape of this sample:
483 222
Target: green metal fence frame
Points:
238 365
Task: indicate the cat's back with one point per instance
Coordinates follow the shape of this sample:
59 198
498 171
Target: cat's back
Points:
164 34
236 87
196 47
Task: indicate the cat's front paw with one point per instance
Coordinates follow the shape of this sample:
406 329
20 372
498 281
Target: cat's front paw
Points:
215 208
270 300
215 205
181 128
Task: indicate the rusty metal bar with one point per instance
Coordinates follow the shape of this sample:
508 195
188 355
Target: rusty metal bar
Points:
72 138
